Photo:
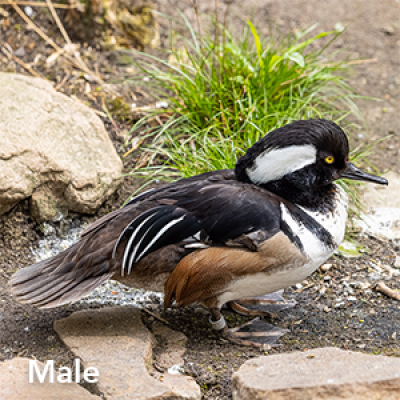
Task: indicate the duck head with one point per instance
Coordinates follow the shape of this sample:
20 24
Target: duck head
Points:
305 155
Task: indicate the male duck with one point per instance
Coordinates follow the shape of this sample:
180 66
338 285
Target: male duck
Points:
219 236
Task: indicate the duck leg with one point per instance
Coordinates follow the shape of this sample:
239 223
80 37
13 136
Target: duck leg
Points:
255 333
268 305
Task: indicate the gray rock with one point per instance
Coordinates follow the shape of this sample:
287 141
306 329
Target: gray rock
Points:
382 222
115 341
382 203
53 149
377 196
14 384
319 374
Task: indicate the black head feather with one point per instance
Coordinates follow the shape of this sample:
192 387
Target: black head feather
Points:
325 136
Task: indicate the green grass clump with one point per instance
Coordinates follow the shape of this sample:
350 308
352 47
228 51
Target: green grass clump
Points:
225 93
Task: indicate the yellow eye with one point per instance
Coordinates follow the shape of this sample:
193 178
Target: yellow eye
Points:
329 159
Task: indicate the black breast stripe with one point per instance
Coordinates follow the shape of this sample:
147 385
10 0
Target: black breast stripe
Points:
291 235
312 225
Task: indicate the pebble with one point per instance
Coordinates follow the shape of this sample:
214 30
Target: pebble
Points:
365 285
177 369
327 309
299 286
374 277
339 27
88 77
28 11
327 278
20 52
389 30
326 267
397 262
162 104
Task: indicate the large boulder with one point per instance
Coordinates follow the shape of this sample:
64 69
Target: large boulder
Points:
53 149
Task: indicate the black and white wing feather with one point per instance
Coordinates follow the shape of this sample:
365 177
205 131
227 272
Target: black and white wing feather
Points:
153 229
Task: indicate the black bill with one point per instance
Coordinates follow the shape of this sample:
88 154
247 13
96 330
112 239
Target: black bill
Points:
352 172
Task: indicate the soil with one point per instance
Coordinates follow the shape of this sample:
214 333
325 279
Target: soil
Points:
331 310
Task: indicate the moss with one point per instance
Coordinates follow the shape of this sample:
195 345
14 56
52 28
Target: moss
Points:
120 109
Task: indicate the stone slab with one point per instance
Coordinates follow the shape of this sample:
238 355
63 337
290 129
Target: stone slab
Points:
319 374
14 385
115 341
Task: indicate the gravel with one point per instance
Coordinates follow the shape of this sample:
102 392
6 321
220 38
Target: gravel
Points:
61 236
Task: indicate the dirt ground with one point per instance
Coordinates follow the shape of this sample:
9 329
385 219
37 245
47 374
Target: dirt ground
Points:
362 320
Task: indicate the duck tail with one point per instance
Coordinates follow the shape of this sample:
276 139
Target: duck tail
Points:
62 278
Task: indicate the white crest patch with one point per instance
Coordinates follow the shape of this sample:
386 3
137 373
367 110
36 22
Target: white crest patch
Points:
273 164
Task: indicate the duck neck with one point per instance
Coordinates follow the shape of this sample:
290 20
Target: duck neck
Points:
315 199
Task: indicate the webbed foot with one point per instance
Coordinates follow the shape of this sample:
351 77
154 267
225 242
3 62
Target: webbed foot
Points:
255 333
268 305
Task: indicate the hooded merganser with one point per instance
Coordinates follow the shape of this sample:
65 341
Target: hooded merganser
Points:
216 237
